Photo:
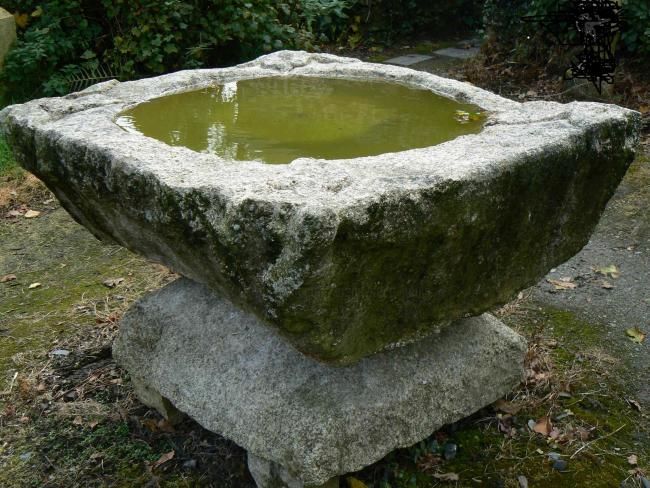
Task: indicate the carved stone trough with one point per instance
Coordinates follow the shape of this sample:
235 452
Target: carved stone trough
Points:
341 258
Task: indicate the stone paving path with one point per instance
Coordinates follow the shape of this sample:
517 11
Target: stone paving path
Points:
439 61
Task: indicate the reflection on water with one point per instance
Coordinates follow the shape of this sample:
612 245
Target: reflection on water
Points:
276 120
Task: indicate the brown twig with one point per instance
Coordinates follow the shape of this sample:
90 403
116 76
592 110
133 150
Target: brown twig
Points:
596 440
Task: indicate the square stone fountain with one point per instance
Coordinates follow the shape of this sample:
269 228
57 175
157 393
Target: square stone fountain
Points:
333 307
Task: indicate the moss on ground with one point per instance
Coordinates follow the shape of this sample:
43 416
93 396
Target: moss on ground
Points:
7 162
584 393
70 266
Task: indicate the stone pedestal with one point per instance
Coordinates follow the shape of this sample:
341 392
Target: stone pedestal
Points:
304 422
268 474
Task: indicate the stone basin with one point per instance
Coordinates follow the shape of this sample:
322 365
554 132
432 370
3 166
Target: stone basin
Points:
344 257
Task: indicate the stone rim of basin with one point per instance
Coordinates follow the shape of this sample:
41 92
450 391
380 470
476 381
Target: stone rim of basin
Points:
286 241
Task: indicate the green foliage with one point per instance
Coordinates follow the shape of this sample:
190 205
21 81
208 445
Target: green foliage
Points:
7 162
392 19
508 34
153 37
66 45
326 17
59 34
636 30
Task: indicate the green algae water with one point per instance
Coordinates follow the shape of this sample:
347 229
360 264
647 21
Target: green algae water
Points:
279 119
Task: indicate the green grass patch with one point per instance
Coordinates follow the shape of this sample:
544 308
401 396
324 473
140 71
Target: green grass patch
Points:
8 164
494 448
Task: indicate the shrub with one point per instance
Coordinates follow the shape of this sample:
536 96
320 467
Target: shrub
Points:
391 19
58 36
528 42
636 28
153 36
65 45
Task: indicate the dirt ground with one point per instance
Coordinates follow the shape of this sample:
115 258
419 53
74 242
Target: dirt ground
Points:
68 416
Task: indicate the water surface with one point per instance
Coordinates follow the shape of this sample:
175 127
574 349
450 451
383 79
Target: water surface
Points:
279 119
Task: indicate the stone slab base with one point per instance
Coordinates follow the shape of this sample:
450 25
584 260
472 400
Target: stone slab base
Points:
239 378
268 474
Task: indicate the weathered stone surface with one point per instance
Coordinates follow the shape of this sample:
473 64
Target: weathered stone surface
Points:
7 33
345 257
268 474
153 399
236 376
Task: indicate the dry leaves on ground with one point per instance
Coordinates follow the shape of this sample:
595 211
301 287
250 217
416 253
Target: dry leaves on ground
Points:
446 476
168 456
635 334
543 426
611 271
565 283
507 407
112 282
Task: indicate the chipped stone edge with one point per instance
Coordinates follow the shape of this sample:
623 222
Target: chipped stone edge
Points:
87 119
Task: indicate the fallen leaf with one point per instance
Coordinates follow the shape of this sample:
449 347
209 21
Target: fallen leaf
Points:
634 404
635 334
632 459
9 277
644 109
523 481
78 420
25 388
583 434
543 426
21 20
563 283
607 285
446 476
507 407
165 426
34 285
612 271
355 483
31 214
112 282
97 455
168 456
14 213
93 423
429 462
504 425
150 424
